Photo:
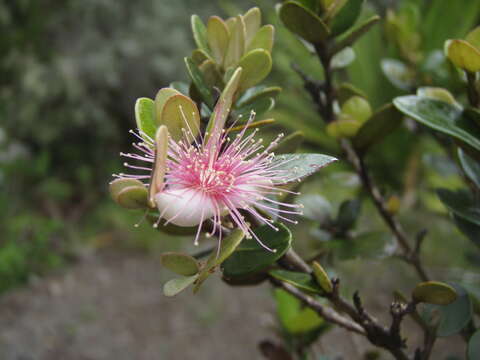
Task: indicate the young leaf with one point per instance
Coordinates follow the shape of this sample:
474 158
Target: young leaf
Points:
263 39
354 34
218 37
145 116
258 92
440 116
180 112
199 82
256 65
434 292
252 19
117 185
303 22
470 166
236 44
322 277
298 166
133 197
181 264
175 286
463 55
160 99
251 257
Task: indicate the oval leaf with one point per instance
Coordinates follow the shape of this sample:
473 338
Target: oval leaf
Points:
236 44
463 55
290 144
180 112
300 280
322 277
470 166
353 35
251 257
303 22
434 292
199 33
258 92
218 36
440 116
252 19
181 264
133 197
145 117
346 16
199 82
343 58
263 39
175 286
398 74
298 166
160 99
256 65
117 185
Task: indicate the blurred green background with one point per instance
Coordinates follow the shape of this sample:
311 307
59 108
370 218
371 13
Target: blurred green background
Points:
70 72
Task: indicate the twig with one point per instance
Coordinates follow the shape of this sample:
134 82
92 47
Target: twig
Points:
473 96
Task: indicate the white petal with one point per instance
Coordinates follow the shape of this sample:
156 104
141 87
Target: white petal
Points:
185 207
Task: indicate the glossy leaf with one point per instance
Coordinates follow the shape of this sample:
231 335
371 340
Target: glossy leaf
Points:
300 280
469 229
175 286
258 92
473 351
117 185
133 197
303 22
260 107
145 116
434 292
199 33
256 65
180 112
470 166
218 37
349 38
346 16
473 37
179 263
383 122
343 58
227 247
160 99
463 55
290 143
251 257
263 39
298 166
440 116
199 82
437 93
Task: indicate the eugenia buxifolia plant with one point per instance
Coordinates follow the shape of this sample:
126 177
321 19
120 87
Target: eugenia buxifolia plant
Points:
200 168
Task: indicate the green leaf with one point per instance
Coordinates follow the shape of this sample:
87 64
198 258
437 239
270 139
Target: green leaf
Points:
199 56
303 22
322 277
263 39
256 65
133 197
440 116
227 247
211 74
251 257
473 351
295 318
290 144
348 214
357 108
343 58
199 33
470 166
434 292
346 16
236 45
295 167
354 34
462 204
180 112
450 319
180 86
258 92
469 229
463 55
260 107
300 280
473 37
398 74
181 264
369 245
316 207
218 37
252 19
345 91
199 82
160 99
383 122
117 185
224 104
175 286
145 117
437 93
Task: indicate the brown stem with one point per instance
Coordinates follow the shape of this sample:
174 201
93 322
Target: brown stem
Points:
473 96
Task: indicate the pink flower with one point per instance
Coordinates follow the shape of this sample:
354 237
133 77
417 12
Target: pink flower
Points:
207 179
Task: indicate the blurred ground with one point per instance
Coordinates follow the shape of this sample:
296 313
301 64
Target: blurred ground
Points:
110 306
